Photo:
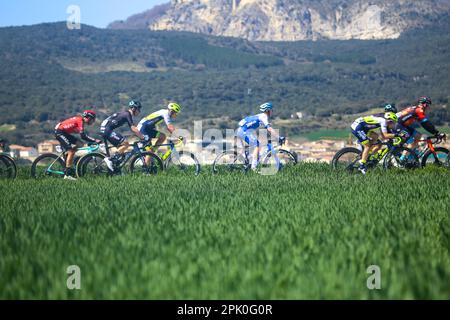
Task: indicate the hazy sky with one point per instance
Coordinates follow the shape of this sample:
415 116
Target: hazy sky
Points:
93 12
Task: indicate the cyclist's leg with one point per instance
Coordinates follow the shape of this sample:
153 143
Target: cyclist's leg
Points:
363 139
374 148
149 134
118 141
68 144
251 139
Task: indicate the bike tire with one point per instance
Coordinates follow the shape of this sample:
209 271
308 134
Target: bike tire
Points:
234 163
430 155
37 172
10 171
92 164
192 168
350 164
393 159
291 157
137 166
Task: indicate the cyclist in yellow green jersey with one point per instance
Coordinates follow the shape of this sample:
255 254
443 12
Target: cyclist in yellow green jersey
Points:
149 126
366 130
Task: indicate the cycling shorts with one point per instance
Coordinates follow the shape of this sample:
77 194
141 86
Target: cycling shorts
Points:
67 141
248 136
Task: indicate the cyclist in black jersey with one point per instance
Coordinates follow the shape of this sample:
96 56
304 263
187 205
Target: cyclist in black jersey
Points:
116 139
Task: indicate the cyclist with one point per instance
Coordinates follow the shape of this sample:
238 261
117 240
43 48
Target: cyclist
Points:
64 134
116 139
148 126
249 125
365 129
409 120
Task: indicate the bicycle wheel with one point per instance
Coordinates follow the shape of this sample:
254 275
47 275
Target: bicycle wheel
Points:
230 161
92 165
439 160
287 159
401 158
48 165
185 162
346 159
147 163
8 169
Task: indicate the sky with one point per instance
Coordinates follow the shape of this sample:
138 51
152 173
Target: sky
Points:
98 13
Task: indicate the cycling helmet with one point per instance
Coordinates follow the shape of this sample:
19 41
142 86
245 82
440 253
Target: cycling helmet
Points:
175 107
135 104
89 114
425 99
391 116
266 107
390 107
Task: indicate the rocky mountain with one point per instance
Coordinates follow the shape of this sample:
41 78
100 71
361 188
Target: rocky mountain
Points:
141 20
292 20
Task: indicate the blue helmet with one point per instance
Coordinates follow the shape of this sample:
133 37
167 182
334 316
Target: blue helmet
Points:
266 107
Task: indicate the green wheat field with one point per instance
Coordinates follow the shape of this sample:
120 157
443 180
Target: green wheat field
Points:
306 233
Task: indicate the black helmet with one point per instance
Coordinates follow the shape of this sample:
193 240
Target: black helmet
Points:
390 107
135 104
425 99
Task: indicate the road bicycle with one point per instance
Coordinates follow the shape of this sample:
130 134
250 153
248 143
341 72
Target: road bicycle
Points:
271 161
8 167
133 161
389 156
431 155
53 165
181 161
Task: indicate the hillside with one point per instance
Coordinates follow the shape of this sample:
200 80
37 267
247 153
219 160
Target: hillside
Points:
292 20
48 72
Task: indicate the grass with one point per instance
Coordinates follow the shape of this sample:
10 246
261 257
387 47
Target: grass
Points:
7 127
327 134
309 233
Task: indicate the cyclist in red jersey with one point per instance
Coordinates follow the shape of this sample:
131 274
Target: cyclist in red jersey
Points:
410 118
64 134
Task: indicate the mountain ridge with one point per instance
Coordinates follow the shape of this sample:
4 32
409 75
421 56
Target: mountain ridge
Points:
294 20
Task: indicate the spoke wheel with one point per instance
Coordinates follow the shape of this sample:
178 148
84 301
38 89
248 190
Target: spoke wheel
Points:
230 161
48 165
184 162
147 164
346 159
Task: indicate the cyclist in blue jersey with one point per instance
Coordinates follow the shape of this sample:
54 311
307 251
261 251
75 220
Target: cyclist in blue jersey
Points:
249 125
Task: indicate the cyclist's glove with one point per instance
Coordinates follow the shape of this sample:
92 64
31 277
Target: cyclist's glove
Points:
282 140
397 141
441 136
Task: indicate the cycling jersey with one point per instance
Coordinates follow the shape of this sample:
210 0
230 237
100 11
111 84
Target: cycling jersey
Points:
148 126
72 125
254 122
117 120
155 119
410 115
65 129
364 125
113 122
371 123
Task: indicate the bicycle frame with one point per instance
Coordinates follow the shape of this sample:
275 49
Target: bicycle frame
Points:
89 149
165 157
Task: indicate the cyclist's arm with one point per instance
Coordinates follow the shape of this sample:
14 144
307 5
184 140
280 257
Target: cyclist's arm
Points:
87 138
136 131
170 128
273 132
387 136
427 125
